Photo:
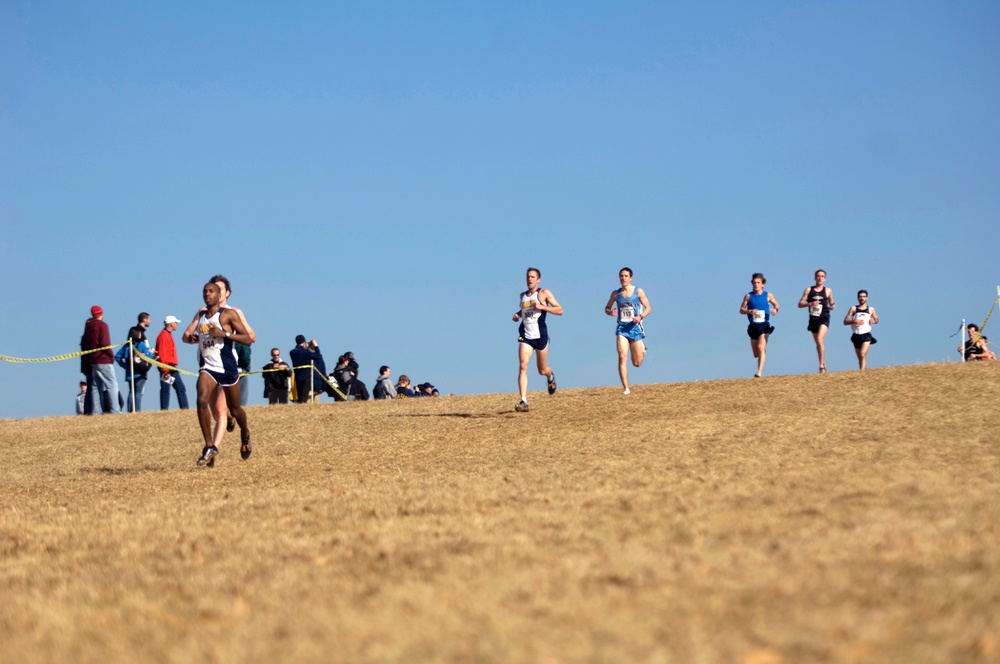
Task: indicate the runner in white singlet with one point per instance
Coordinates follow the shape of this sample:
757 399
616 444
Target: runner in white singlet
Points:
215 331
533 335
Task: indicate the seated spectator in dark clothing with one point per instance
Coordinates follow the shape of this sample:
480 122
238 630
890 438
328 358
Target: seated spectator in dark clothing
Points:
360 389
403 387
427 390
346 375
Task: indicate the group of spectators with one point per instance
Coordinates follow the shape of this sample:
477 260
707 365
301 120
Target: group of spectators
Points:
308 367
99 390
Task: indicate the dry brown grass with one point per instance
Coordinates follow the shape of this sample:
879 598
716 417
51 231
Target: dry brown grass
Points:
846 517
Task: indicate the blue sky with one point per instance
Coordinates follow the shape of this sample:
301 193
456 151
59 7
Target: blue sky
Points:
379 175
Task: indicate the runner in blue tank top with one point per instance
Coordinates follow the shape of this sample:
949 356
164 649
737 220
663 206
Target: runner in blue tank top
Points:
630 306
758 306
533 334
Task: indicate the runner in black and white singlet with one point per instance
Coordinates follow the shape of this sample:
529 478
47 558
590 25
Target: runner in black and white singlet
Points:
216 330
630 306
219 410
977 347
819 300
861 317
216 355
533 334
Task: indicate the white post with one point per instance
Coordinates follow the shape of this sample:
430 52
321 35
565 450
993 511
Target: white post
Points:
962 347
131 359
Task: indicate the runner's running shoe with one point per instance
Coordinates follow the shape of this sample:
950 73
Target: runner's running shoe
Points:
208 456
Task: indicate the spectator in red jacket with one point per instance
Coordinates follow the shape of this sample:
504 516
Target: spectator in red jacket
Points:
102 362
167 351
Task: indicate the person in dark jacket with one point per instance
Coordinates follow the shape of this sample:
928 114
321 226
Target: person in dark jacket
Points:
307 383
276 375
102 362
358 389
139 367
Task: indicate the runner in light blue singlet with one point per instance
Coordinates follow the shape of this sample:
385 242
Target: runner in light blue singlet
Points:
630 307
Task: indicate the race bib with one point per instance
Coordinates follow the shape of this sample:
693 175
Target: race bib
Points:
208 346
626 314
816 309
758 315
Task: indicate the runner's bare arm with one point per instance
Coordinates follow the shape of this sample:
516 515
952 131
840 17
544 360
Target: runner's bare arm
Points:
774 304
246 325
646 309
189 336
550 305
609 308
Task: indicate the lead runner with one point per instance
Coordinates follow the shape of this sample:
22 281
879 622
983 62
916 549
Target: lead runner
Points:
216 331
533 334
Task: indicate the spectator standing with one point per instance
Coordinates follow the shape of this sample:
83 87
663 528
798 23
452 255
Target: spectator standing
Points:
81 398
243 362
137 370
97 335
307 383
276 377
166 349
384 389
86 370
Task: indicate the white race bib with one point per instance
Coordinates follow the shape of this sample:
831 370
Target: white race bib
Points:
758 315
626 314
816 309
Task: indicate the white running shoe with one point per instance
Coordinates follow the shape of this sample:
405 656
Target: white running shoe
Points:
625 391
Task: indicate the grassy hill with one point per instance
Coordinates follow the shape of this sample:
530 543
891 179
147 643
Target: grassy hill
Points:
844 517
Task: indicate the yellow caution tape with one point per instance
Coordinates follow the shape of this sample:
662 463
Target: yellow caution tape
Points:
983 326
55 358
161 365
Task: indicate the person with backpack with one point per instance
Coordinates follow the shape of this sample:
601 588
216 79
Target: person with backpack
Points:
384 389
136 368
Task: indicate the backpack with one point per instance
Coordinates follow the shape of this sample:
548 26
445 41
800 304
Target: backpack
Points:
121 357
379 391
